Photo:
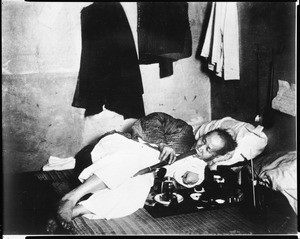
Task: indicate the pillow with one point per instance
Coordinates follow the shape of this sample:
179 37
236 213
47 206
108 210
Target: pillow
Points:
251 141
279 172
160 127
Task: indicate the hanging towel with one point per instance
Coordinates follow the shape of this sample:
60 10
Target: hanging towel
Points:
221 44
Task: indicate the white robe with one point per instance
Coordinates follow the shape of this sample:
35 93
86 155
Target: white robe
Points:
115 159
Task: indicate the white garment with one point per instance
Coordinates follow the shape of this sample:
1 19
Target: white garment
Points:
221 44
115 159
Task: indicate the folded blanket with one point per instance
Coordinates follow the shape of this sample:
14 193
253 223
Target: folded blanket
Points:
56 163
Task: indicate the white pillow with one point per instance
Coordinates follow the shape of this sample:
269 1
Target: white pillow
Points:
251 141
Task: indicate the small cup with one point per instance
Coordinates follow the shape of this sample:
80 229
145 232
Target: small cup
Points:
168 187
199 189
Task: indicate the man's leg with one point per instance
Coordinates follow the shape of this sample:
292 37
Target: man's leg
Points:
67 204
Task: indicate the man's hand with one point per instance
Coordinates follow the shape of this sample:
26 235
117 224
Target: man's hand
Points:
190 177
167 153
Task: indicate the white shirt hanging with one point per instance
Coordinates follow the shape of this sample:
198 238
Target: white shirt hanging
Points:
221 45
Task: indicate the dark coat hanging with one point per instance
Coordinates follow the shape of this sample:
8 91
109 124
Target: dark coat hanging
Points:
164 34
109 71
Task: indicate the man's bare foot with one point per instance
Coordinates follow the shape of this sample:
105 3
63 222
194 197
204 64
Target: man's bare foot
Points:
53 227
64 213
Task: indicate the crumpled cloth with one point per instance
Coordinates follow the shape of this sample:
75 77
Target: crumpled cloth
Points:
56 163
281 175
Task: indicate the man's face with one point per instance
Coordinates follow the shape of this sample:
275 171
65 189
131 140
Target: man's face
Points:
208 145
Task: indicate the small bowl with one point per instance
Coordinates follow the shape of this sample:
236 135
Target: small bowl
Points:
220 201
199 189
195 196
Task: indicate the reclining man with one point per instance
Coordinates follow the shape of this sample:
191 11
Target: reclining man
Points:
116 158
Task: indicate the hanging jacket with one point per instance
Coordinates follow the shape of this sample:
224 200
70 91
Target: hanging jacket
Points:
109 71
164 34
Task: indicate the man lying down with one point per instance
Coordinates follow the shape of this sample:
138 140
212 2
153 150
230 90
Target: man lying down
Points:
116 158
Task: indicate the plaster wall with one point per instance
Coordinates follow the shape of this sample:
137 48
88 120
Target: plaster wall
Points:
41 47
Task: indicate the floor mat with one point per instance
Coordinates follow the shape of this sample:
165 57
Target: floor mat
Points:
222 221
28 204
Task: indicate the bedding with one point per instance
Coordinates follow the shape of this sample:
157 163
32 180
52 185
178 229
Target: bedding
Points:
278 171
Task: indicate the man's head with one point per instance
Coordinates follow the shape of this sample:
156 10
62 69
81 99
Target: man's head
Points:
214 143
